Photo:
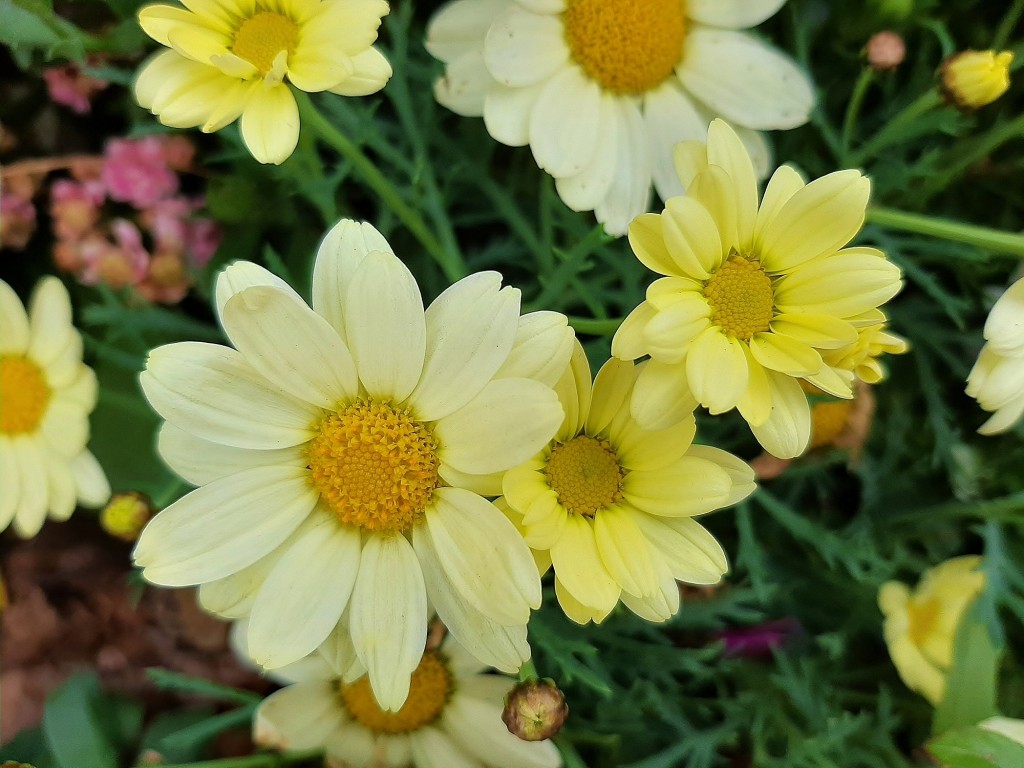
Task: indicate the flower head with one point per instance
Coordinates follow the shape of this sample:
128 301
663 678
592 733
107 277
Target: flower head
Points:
756 296
135 171
602 90
342 451
920 626
452 717
69 86
232 58
997 379
46 396
972 79
612 504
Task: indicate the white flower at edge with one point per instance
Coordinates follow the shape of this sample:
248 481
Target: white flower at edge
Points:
997 379
602 90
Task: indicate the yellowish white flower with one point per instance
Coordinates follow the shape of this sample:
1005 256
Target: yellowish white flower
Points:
341 452
920 626
46 396
997 379
755 294
612 505
972 79
237 58
451 718
602 90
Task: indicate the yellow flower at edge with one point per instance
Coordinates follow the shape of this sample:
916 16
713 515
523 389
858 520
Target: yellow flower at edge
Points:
611 505
920 626
997 379
236 58
755 294
46 396
973 79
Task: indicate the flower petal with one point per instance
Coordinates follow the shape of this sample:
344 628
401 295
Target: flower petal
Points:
300 716
716 370
784 354
732 14
692 238
692 554
727 151
787 431
579 567
506 110
670 117
624 551
270 124
562 134
476 725
370 72
630 190
522 48
844 285
661 396
14 321
587 190
541 350
239 275
691 486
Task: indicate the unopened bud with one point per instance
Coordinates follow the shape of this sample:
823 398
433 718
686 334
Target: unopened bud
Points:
885 51
972 79
535 710
125 515
151 757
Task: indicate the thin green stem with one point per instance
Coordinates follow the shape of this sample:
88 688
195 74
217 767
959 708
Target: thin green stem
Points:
860 89
893 129
961 158
993 240
595 327
528 671
449 261
1005 509
264 760
1007 25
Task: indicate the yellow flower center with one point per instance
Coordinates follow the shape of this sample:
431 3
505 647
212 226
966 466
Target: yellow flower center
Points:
586 475
628 46
429 690
261 37
24 395
374 465
741 297
923 616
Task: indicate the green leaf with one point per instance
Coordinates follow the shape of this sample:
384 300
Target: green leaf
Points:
976 748
973 680
29 746
76 725
32 24
159 737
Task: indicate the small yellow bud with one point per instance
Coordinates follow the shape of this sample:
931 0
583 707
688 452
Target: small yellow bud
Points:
972 79
125 515
535 710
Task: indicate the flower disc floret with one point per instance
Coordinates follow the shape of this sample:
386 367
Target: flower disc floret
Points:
586 475
626 46
374 465
741 297
261 37
24 395
429 692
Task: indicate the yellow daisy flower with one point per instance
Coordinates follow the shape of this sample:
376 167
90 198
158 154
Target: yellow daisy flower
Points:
973 79
451 718
997 379
230 59
612 504
602 90
341 452
46 396
754 295
920 626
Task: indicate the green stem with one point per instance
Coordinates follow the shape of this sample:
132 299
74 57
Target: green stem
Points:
595 327
893 129
528 671
960 159
450 262
1005 508
264 760
860 89
1007 25
983 237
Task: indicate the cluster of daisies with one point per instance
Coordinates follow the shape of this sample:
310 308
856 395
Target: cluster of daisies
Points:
364 466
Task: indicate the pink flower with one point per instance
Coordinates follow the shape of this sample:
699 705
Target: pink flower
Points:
179 153
174 230
118 263
136 171
759 641
17 221
74 208
70 87
203 241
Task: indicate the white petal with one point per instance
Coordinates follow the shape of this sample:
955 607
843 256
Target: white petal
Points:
239 275
460 26
61 489
389 616
585 190
465 85
200 462
33 488
542 348
507 112
90 480
49 313
670 117
385 326
562 134
301 716
14 321
219 529
732 14
477 727
630 191
10 481
431 748
523 48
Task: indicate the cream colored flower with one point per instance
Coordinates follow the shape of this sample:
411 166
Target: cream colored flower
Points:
341 452
997 379
451 718
920 626
611 505
602 90
756 294
46 396
236 58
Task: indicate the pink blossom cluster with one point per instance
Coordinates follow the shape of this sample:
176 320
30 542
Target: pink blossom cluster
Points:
156 243
69 86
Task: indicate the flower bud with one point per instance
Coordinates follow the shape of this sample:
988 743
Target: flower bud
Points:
972 79
535 710
885 51
125 515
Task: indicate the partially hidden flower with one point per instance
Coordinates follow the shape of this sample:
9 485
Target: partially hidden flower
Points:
17 221
69 86
535 710
342 454
46 396
613 505
973 79
135 171
997 379
920 625
237 59
756 295
451 718
602 90
126 514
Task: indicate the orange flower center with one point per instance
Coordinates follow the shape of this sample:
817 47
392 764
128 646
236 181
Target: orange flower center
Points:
586 475
429 690
24 395
261 37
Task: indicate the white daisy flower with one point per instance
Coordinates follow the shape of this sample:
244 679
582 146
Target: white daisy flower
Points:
602 90
997 379
341 452
46 396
